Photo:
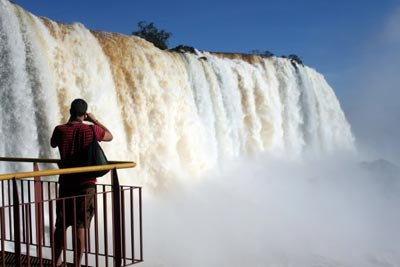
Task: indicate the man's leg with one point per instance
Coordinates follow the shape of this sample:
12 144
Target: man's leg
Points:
60 229
81 244
85 209
58 245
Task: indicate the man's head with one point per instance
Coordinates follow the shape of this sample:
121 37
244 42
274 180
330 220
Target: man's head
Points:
78 108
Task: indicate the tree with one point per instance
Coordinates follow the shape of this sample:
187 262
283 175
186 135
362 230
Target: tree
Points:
184 48
265 54
150 33
295 58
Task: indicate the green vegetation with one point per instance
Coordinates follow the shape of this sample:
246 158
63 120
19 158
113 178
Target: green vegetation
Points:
295 58
265 54
183 49
159 38
149 32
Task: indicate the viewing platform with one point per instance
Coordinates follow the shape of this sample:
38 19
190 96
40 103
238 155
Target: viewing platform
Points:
28 215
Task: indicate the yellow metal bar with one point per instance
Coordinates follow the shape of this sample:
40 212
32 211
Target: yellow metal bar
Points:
45 160
20 175
29 160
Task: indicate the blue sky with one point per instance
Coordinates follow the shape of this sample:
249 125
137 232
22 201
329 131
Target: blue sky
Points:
326 34
353 43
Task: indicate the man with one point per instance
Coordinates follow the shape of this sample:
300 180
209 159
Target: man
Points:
71 138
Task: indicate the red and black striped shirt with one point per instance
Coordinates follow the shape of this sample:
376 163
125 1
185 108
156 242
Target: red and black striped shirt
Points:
70 138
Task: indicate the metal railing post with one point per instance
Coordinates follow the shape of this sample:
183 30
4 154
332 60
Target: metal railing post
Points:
38 212
14 220
141 223
3 236
17 223
116 208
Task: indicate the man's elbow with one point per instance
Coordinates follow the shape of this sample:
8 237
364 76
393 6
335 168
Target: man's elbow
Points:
108 137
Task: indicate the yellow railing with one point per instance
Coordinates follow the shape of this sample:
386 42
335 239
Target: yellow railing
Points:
21 175
119 221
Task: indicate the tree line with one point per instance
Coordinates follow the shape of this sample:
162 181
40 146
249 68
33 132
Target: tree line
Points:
159 38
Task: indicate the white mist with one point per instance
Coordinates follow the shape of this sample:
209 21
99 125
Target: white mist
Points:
274 213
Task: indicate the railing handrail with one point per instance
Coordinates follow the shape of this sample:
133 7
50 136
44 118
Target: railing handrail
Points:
21 175
40 160
118 219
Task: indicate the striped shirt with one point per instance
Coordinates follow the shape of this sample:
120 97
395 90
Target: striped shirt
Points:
71 138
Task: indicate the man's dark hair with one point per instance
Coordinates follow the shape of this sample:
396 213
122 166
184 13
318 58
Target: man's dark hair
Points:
78 108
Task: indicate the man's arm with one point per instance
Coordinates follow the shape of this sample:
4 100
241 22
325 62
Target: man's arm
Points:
107 134
54 139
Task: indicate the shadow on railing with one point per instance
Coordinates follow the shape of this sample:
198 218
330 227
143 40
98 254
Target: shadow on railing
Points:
27 218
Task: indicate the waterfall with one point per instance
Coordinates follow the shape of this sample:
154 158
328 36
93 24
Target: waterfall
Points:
180 116
174 114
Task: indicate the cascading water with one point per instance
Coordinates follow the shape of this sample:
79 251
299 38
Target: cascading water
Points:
175 114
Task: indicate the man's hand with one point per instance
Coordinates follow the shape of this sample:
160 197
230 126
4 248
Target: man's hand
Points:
90 117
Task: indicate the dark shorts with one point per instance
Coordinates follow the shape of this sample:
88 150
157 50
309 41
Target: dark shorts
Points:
77 204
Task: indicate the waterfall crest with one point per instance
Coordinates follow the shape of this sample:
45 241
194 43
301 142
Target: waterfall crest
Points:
175 114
